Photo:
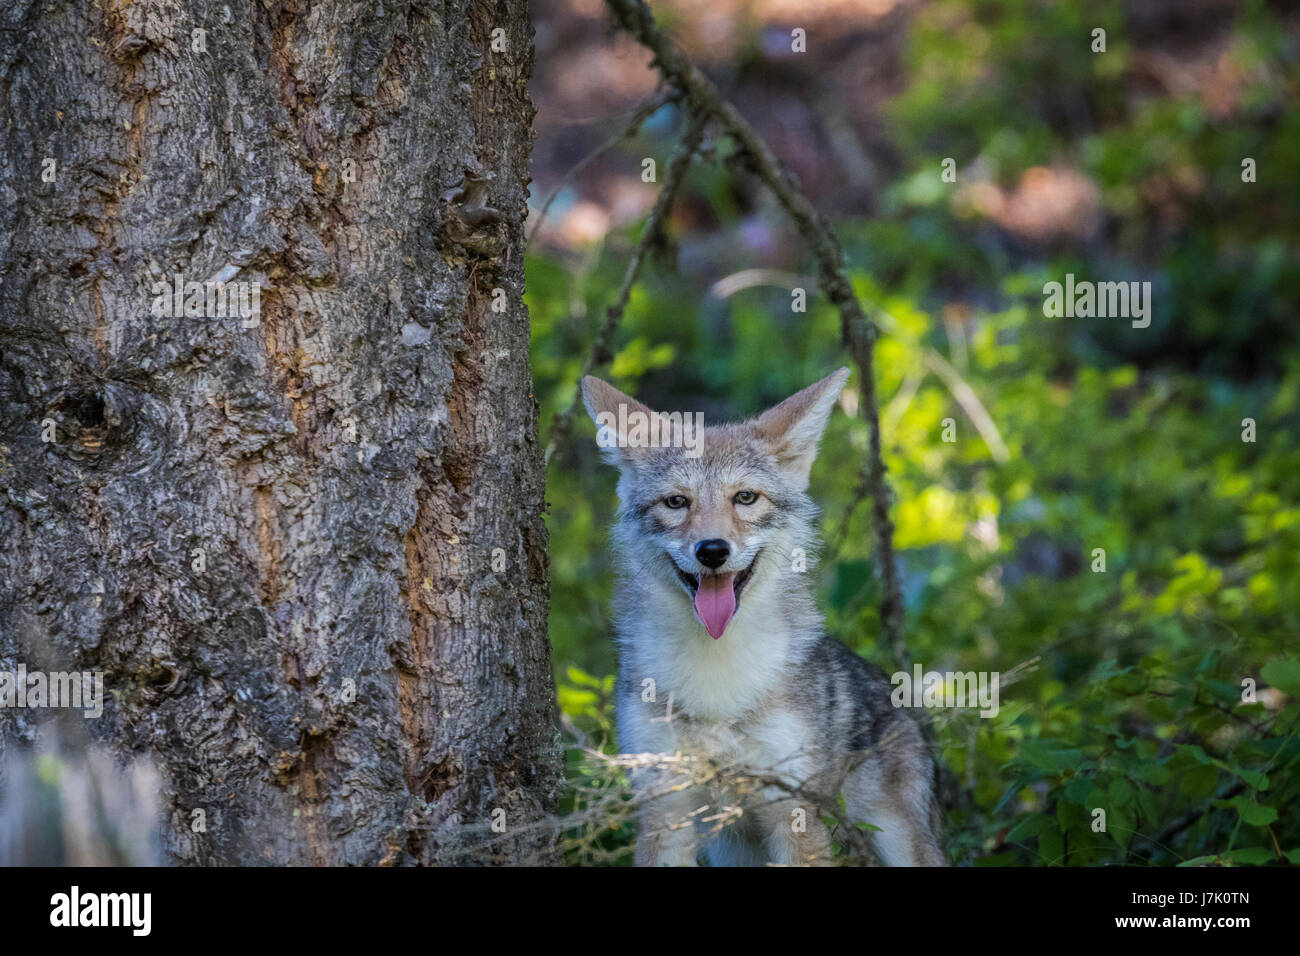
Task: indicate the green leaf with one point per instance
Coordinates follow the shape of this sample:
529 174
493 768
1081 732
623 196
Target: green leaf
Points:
1156 774
1200 782
1120 792
1084 792
1257 815
1030 826
1040 754
1051 847
1226 693
574 702
1019 784
1251 855
1284 674
581 678
1253 777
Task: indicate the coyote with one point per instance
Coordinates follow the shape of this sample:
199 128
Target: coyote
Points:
723 661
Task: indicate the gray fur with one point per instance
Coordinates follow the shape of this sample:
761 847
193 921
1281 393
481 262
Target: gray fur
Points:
792 717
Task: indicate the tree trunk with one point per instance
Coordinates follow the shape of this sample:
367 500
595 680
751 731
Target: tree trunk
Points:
305 547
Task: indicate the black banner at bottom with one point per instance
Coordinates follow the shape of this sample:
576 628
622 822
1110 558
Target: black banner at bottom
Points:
337 906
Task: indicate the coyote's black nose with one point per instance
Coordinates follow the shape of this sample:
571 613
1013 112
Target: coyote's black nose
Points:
712 553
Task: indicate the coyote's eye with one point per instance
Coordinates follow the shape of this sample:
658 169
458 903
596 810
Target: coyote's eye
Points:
676 501
745 497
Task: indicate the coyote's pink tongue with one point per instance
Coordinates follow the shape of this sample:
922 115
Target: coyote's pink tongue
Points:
715 602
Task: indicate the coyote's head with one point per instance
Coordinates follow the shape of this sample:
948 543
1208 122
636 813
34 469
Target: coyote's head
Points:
708 512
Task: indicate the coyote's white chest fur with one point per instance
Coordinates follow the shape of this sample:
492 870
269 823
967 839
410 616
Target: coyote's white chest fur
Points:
711 679
745 721
724 699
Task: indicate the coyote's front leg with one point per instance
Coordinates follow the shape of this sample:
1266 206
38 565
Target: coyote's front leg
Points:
795 834
668 835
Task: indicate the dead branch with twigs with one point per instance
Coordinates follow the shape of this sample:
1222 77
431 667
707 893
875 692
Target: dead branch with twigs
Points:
614 788
857 331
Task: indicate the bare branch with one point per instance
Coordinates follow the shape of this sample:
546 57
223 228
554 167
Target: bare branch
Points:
857 331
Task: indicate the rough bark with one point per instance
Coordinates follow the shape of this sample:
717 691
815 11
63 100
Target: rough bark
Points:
349 465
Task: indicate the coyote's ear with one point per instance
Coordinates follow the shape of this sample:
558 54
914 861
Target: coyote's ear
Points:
792 429
614 414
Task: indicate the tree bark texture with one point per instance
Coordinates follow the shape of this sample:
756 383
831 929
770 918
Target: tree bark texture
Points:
305 548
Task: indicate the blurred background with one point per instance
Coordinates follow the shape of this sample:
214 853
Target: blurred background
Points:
1072 434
